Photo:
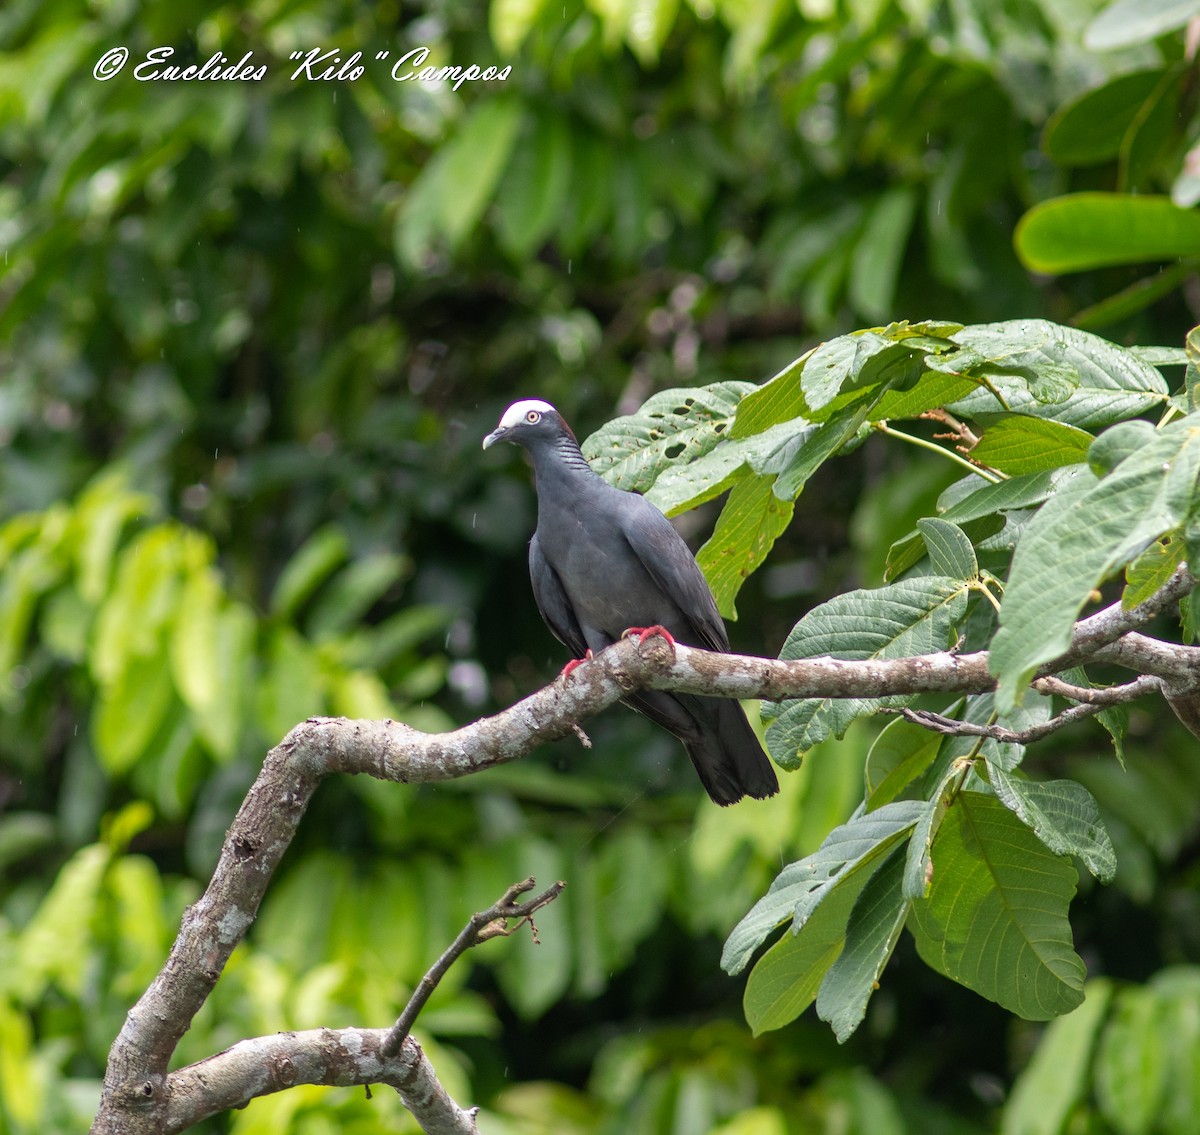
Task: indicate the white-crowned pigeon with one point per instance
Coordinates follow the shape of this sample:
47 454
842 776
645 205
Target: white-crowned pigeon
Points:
603 561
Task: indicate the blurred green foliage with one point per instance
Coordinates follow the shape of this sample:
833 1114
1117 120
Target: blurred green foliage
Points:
250 336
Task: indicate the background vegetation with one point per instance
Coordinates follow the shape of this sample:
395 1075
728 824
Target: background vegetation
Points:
250 337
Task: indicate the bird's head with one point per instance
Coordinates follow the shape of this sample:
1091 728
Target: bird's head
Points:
528 423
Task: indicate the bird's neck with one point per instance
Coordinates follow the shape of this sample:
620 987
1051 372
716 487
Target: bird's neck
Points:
562 455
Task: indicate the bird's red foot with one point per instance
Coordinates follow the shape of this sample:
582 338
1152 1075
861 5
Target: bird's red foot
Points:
570 666
643 633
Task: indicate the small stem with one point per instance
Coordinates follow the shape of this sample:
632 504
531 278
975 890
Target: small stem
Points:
992 478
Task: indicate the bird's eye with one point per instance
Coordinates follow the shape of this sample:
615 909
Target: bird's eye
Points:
532 417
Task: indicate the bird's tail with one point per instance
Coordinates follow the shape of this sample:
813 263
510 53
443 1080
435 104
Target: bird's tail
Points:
727 754
718 738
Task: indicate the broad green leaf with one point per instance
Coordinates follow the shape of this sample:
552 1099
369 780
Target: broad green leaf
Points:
532 194
871 935
1082 231
901 753
684 485
56 944
1058 1076
933 390
787 978
1088 530
353 592
996 917
914 616
452 191
950 552
318 557
1090 129
101 512
875 265
1063 815
192 647
1178 991
833 366
671 427
1130 1072
802 887
1127 22
964 504
796 465
1117 443
1151 570
144 595
749 524
1109 383
777 400
129 711
1019 444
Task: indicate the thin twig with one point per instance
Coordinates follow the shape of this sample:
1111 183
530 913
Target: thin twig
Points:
927 719
485 924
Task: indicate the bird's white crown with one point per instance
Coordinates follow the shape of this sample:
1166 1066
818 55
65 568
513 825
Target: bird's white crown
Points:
515 414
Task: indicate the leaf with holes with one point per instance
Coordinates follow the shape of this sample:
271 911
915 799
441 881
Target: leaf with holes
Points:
671 427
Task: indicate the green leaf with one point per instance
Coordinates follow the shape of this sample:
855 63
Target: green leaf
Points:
533 192
671 427
950 552
996 917
1110 382
1089 129
686 484
1063 815
972 505
318 557
777 400
1058 1076
451 193
129 711
800 888
354 591
1151 570
1088 530
749 524
510 22
902 752
1019 445
1082 231
1127 22
1131 1065
192 647
914 616
879 252
871 935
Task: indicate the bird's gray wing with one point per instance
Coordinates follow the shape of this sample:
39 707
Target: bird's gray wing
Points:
670 563
553 603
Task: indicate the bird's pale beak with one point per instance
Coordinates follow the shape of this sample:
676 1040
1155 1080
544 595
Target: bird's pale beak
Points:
496 435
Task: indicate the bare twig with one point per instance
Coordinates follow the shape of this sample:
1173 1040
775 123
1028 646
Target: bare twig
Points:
490 923
948 725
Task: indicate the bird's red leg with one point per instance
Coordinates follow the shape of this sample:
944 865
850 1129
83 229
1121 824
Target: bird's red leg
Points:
570 666
644 633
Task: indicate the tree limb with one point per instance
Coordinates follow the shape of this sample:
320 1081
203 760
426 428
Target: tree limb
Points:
490 923
331 1057
138 1092
927 719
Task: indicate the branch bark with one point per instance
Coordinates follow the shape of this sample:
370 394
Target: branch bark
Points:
139 1097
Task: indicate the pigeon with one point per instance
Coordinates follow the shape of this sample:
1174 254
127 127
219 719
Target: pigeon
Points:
605 562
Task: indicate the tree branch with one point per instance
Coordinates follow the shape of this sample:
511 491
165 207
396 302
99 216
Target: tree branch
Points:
927 719
490 923
137 1094
330 1057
